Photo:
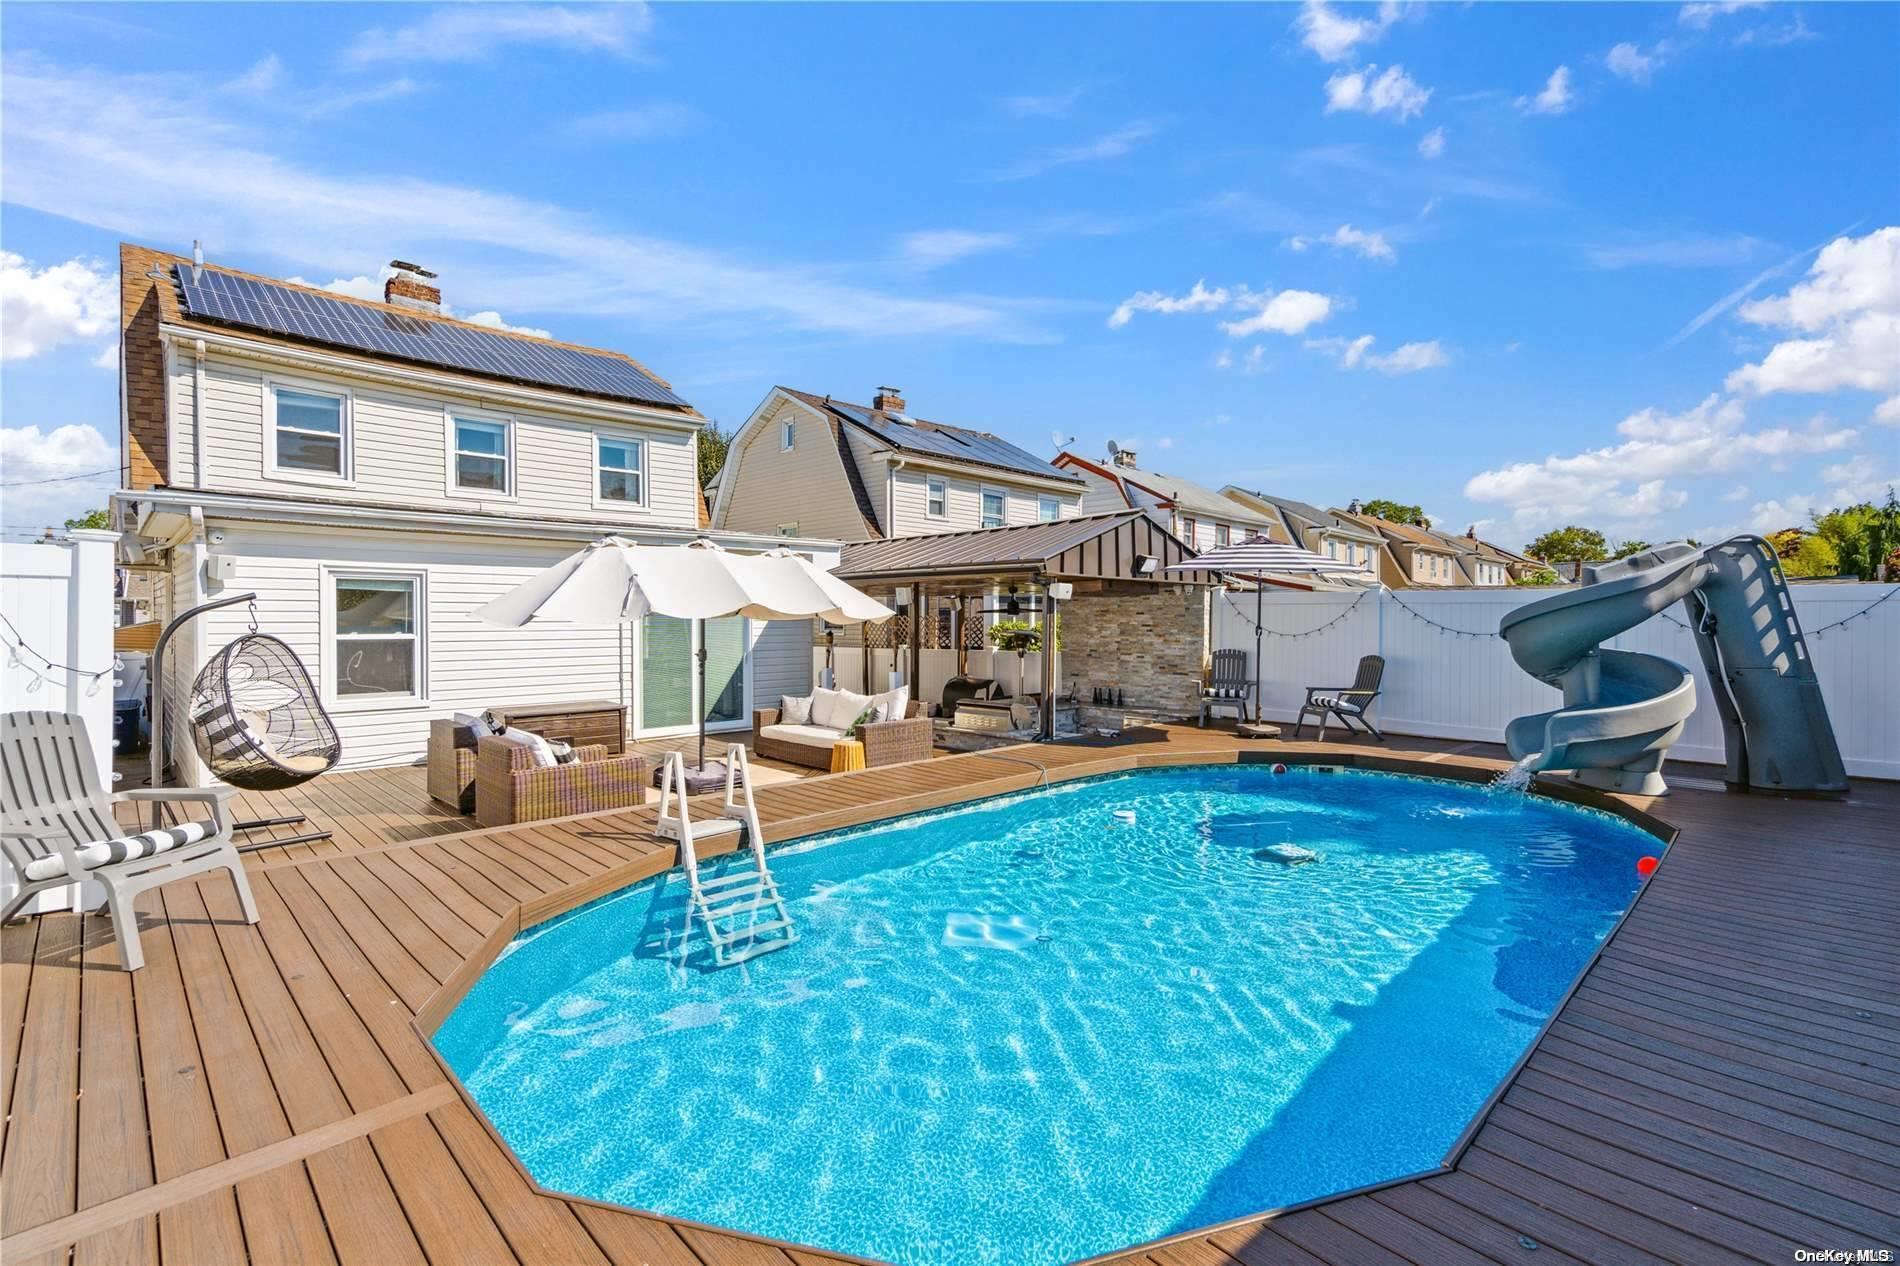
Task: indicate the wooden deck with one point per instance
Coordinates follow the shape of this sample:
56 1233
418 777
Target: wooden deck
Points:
1724 1085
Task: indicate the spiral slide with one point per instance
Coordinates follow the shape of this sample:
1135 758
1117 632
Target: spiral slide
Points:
1623 710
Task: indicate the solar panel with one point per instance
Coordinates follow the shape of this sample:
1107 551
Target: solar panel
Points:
959 445
299 314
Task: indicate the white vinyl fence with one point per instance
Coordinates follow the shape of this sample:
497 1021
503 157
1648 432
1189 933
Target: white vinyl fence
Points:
1448 674
57 602
938 667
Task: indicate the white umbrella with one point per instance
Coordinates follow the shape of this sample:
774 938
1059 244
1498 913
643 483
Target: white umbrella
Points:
615 580
1259 558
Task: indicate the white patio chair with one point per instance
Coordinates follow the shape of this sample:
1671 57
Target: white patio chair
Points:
58 827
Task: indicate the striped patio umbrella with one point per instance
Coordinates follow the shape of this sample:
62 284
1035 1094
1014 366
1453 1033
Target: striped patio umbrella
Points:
1260 560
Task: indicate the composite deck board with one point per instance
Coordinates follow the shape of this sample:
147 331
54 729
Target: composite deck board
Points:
1724 1085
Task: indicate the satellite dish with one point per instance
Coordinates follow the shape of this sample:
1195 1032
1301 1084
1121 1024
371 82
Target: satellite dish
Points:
1113 448
1056 438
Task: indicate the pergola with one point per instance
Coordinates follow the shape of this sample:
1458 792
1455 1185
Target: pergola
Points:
1125 552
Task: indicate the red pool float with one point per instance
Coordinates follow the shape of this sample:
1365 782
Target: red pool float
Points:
1646 866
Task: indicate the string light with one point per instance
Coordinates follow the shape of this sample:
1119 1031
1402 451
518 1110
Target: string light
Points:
1293 637
1822 631
18 650
1442 628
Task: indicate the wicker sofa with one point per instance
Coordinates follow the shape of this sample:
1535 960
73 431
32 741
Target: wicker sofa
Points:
885 742
510 787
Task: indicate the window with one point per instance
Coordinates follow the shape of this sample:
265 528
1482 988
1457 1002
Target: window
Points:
1048 509
787 434
788 529
620 477
374 625
1332 548
482 459
992 508
1223 536
309 433
938 494
1188 528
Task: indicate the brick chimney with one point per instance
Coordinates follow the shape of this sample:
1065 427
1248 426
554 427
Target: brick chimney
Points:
888 400
409 287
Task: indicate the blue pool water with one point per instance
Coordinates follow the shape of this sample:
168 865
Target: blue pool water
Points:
1025 1031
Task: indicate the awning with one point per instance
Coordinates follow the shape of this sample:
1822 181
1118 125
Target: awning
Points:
1126 546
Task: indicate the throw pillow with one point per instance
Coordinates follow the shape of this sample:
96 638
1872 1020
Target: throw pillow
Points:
869 714
794 709
477 726
540 748
564 753
839 710
823 702
892 704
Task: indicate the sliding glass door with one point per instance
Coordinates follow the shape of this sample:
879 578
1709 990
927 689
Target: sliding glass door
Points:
669 675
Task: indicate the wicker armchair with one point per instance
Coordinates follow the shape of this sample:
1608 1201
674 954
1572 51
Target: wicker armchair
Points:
885 742
452 764
511 788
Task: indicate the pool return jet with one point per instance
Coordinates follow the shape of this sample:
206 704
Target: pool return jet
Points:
1623 710
619 581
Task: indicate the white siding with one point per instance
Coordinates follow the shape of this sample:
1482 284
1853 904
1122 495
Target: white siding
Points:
781 661
470 665
807 485
400 449
963 502
1099 496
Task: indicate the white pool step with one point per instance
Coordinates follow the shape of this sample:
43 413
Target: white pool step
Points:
749 890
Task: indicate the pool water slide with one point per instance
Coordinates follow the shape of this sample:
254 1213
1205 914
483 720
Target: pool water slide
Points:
1623 710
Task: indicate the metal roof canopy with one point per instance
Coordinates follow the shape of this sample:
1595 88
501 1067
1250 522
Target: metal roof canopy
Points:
1098 547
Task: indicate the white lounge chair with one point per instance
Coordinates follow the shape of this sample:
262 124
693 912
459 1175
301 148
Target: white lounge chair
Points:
58 827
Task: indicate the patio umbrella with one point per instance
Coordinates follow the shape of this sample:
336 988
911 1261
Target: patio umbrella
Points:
616 580
1258 559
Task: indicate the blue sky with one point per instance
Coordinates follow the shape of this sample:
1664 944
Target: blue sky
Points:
1632 266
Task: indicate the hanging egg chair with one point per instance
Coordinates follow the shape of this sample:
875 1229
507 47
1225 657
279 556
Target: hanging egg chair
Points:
256 720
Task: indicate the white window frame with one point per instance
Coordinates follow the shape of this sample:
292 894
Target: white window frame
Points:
450 416
1190 528
645 503
1045 501
937 489
1223 536
787 433
788 529
327 658
1002 494
346 432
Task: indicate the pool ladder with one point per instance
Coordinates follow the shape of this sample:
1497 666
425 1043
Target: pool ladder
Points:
742 912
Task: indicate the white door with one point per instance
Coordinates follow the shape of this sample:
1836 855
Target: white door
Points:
667 676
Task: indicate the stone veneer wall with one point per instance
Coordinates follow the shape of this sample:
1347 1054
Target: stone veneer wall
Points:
1148 645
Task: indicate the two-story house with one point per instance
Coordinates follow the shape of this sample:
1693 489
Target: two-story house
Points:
1197 515
809 465
1414 557
374 472
1312 528
1488 566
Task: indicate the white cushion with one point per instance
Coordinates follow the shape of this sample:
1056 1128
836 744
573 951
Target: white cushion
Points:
478 726
543 751
795 709
1334 701
892 703
123 849
805 735
837 709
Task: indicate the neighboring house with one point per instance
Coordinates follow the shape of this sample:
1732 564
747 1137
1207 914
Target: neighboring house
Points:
376 471
1312 528
1415 557
808 465
1201 517
1487 566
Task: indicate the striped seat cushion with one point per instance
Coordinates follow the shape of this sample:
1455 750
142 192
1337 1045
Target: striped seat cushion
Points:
124 849
1224 692
1334 701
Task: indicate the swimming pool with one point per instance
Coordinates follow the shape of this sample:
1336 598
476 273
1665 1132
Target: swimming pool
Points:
1027 1030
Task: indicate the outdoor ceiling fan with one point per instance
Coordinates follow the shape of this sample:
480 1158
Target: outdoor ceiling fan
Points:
1012 607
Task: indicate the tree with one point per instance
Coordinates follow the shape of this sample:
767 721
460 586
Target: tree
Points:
1864 536
1625 548
1395 512
1542 576
713 444
1570 544
1812 555
100 519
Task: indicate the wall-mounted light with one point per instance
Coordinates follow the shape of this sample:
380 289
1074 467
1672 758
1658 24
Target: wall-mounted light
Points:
1146 564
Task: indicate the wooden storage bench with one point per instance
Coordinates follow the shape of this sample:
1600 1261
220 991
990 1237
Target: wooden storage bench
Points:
588 722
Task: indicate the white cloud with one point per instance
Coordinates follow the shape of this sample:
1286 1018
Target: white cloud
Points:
1256 361
475 32
1198 299
933 248
1887 412
1556 97
1688 250
1657 446
1738 493
1043 105
1408 358
651 122
108 357
1772 516
365 287
1333 36
1224 359
493 321
1850 303
1632 63
28 456
1393 92
1166 441
1372 245
1110 145
1795 32
1289 312
267 75
1432 144
158 157
40 309
1700 15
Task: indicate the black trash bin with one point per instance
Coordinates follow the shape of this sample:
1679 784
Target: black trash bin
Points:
128 728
